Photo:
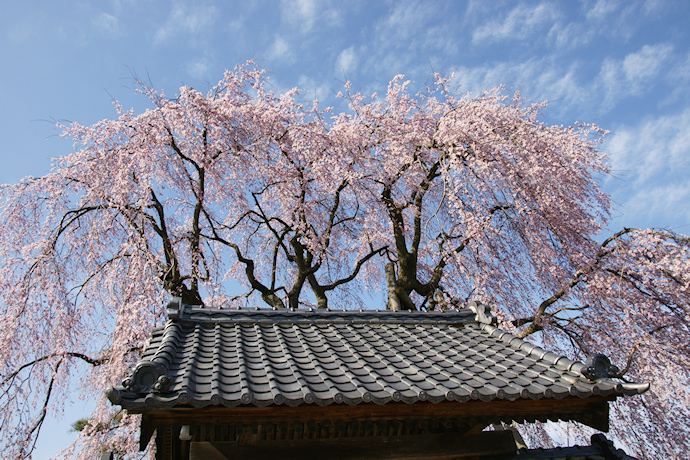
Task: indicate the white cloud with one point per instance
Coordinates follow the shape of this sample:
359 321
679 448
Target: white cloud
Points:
521 22
569 85
604 21
629 76
656 147
657 205
682 71
300 12
679 80
185 18
537 79
304 14
653 159
409 39
313 89
646 63
654 6
569 35
107 24
347 61
406 19
280 49
198 68
601 9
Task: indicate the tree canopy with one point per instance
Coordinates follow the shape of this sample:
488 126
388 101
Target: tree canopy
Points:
242 197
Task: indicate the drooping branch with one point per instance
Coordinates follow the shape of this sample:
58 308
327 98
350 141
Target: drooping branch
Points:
246 178
32 433
534 324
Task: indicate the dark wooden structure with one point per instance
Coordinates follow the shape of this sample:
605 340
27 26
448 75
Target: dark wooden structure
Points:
268 384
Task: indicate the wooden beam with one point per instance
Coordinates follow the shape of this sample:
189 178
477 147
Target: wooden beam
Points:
565 408
147 429
599 418
437 447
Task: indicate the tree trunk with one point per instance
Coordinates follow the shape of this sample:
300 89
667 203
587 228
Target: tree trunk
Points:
398 299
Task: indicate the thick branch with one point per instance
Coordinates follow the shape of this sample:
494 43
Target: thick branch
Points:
418 203
268 295
398 298
196 232
171 277
320 291
83 357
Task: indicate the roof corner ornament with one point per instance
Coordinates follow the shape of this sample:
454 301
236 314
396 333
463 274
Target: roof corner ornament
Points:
175 308
114 395
148 377
599 366
482 313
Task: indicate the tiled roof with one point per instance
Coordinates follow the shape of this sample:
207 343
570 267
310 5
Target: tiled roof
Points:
230 357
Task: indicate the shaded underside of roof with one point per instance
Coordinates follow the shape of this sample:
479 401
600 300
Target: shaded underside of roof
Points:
221 357
492 445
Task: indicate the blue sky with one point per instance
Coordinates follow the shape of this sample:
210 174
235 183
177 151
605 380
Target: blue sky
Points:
624 65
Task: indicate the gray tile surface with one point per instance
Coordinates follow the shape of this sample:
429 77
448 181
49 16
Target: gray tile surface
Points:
231 357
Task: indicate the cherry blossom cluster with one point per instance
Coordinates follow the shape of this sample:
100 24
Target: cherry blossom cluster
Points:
242 197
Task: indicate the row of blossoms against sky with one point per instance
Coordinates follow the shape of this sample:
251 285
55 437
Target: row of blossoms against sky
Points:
413 199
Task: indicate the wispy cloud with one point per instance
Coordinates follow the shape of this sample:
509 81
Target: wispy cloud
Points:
106 24
652 159
537 79
186 19
655 147
406 19
520 23
645 64
305 14
573 86
280 49
407 39
630 76
602 20
302 12
347 61
198 68
602 9
314 89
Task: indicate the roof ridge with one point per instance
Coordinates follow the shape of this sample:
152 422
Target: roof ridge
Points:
178 311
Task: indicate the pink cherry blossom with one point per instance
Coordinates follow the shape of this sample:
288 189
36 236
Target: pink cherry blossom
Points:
243 197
